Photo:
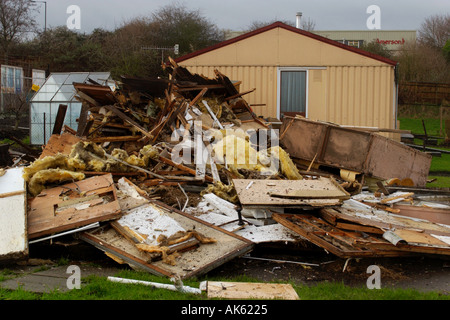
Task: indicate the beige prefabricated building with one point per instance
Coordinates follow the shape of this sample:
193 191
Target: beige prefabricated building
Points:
295 71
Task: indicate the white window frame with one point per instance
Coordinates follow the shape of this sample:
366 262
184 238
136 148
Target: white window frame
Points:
4 87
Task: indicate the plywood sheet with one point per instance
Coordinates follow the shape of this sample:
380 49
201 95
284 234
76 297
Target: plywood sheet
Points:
59 144
436 215
13 215
73 205
190 263
288 193
249 290
420 238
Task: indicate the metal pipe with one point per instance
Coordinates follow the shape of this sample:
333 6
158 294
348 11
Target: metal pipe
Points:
298 20
172 287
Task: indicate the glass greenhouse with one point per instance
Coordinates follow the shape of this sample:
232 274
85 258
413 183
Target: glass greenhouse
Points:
58 89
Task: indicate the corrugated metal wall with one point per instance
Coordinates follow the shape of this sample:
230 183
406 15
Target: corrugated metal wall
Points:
347 95
360 96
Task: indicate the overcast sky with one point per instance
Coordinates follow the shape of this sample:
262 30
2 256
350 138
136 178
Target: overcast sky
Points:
239 14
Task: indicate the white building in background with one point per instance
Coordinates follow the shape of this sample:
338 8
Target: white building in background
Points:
394 40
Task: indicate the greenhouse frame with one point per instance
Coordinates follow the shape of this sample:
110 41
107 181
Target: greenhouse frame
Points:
58 90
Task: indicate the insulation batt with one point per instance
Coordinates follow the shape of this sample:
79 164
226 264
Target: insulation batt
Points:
40 179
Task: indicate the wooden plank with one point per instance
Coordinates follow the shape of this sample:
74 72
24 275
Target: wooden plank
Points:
83 120
62 143
436 215
334 240
420 238
358 227
127 119
379 219
115 139
59 120
258 192
184 168
43 219
250 290
113 243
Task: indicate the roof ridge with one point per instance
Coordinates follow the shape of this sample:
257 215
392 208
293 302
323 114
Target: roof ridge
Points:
279 24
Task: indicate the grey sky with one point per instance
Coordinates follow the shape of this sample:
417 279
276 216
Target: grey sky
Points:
239 14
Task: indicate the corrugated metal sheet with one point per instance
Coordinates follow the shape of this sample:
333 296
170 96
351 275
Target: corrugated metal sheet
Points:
360 96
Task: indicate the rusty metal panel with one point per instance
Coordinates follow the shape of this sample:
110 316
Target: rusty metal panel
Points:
345 148
302 141
364 152
389 159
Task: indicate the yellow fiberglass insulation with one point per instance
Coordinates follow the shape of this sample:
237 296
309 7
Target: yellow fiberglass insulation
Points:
239 154
89 153
59 161
40 179
276 156
95 159
236 152
226 192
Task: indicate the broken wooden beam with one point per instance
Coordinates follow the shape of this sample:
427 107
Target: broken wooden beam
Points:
182 167
127 119
59 120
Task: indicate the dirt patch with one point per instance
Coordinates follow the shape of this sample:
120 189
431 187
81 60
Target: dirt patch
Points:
174 197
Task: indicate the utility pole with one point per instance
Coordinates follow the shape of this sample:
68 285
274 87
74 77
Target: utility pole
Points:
45 14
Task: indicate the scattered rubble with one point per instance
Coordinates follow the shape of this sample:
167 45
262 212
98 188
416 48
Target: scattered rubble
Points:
179 176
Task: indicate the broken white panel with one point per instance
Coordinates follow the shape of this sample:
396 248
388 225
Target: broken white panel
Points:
260 213
224 206
13 215
257 234
152 222
445 239
269 233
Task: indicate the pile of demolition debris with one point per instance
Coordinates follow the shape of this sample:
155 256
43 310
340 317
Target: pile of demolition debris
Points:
179 176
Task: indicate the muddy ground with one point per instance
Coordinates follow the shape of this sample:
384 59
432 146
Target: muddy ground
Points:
304 265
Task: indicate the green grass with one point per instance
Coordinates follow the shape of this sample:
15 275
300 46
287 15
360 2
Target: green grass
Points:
416 127
99 288
438 164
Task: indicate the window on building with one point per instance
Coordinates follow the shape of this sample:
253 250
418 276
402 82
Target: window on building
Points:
354 43
11 79
293 92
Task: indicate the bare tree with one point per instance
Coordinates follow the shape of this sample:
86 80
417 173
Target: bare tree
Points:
422 63
16 18
435 31
308 25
